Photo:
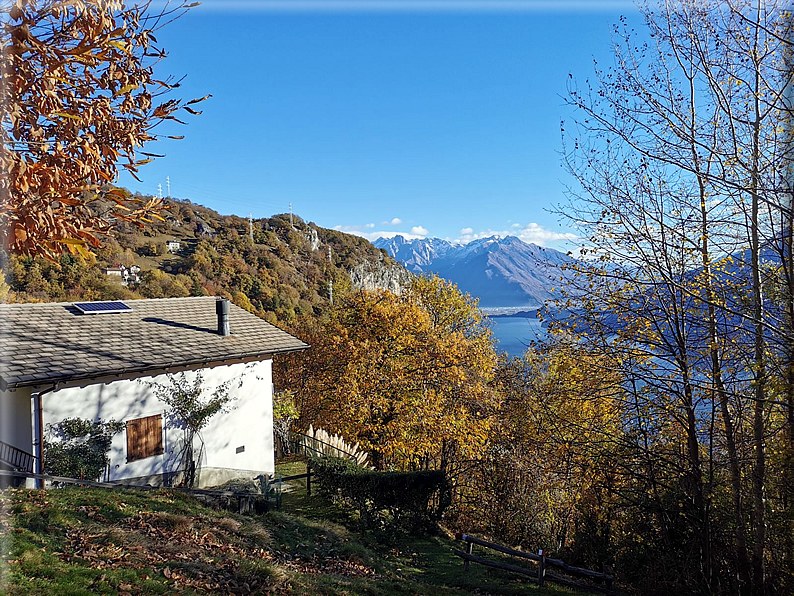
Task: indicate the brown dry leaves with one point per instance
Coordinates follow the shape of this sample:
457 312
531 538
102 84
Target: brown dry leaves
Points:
188 556
79 101
193 554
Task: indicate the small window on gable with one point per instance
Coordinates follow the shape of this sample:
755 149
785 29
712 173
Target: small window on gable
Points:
144 437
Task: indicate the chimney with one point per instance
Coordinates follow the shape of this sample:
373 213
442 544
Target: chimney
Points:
222 310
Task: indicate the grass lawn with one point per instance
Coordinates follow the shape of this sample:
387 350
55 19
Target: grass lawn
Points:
96 541
291 465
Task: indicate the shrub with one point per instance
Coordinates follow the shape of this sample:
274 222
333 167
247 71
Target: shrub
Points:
413 500
285 411
78 448
190 409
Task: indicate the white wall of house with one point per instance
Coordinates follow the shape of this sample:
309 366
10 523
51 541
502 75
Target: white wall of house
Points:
249 424
16 423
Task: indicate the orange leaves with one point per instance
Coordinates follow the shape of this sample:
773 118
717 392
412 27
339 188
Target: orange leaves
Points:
194 101
20 234
15 12
69 102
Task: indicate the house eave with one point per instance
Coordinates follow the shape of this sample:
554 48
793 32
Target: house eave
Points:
106 376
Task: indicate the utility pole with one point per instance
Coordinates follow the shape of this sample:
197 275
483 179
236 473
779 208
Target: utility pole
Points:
168 185
290 214
159 191
251 227
330 279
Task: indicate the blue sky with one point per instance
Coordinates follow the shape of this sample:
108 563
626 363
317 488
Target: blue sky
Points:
429 118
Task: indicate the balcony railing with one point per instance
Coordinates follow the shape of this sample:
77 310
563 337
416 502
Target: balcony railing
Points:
16 458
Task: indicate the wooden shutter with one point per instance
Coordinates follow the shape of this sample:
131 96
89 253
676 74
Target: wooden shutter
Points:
144 437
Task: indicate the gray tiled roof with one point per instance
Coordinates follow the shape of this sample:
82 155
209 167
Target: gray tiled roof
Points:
41 344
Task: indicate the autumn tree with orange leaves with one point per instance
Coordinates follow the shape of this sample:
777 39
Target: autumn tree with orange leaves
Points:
407 377
79 101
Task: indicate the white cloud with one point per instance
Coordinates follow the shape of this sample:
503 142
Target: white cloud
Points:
533 233
360 231
396 221
516 225
349 229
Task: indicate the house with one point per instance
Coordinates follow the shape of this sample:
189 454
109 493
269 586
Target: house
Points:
128 274
58 361
131 275
173 246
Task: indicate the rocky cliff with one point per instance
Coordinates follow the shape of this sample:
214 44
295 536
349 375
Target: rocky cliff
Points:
380 274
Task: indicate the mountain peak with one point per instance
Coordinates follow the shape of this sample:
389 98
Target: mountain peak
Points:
501 271
417 253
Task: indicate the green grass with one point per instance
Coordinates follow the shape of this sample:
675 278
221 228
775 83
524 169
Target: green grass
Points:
95 541
148 263
291 465
404 564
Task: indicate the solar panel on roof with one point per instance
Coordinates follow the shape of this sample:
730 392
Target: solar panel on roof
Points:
97 308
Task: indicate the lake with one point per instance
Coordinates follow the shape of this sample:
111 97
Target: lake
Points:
514 333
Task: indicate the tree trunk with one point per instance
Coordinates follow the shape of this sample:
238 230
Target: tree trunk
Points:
742 557
702 530
759 345
788 470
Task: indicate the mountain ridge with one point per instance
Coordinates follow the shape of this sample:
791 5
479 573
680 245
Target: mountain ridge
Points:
277 267
500 271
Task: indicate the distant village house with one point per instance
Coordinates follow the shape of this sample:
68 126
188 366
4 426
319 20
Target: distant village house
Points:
113 271
128 275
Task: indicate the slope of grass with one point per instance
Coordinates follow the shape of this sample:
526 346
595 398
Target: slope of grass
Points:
94 541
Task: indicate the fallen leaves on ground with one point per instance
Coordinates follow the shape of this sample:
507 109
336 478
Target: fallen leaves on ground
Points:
203 555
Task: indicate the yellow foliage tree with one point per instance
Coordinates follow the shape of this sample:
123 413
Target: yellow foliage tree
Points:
553 452
405 376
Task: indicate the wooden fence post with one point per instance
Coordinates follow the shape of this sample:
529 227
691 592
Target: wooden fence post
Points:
309 478
543 562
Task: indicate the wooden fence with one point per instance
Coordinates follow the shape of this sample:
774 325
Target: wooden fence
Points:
541 573
307 476
302 444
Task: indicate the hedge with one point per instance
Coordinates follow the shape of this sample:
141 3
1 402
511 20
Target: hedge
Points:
413 500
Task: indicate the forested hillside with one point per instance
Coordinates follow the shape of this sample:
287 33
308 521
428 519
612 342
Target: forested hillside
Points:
287 269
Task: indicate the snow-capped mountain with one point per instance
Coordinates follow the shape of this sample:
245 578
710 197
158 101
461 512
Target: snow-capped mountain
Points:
418 254
500 271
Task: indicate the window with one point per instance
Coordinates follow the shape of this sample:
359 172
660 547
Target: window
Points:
144 437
